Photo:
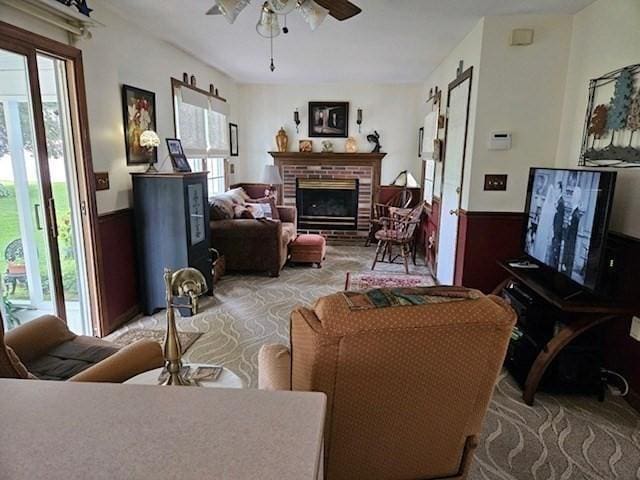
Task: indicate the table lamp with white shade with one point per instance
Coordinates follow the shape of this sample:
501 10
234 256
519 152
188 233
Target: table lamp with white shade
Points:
271 176
150 140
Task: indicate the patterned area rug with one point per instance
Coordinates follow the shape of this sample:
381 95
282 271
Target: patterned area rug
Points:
186 338
365 280
559 438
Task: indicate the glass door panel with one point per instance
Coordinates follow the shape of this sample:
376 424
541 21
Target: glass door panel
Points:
26 278
64 190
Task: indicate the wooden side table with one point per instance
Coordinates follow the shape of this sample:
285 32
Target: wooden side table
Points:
581 315
227 378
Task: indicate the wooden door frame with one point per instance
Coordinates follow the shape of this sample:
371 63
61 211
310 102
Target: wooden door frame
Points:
459 80
13 36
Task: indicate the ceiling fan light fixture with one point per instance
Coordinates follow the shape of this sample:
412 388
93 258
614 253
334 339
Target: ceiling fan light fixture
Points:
230 9
312 13
268 26
282 7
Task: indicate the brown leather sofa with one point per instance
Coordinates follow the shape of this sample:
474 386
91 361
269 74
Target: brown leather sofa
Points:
408 375
258 245
46 349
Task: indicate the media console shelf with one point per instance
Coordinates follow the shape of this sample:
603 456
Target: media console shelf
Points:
577 316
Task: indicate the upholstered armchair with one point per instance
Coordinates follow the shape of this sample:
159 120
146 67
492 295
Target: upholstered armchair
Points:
46 349
408 375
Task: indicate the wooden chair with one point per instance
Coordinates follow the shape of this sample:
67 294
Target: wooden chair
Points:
397 230
401 199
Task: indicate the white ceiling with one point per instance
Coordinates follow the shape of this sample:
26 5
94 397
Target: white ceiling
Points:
391 41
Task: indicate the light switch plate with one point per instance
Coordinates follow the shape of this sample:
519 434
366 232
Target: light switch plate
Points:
495 182
635 328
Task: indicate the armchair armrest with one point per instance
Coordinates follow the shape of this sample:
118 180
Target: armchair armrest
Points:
126 363
274 367
35 338
288 214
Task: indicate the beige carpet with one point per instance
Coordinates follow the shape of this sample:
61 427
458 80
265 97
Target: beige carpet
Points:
133 335
561 438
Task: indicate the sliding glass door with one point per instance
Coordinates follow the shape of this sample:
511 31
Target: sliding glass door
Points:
42 263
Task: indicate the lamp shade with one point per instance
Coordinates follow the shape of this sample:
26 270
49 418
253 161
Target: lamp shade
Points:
230 9
405 179
312 13
271 175
268 26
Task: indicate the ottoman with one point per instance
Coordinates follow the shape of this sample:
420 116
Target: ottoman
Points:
308 248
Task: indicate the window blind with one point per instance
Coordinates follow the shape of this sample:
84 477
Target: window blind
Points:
201 123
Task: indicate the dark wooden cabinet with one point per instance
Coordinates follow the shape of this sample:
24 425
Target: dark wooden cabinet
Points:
172 230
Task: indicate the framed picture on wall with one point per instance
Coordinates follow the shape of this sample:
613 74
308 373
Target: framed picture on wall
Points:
178 158
420 140
329 119
139 114
233 140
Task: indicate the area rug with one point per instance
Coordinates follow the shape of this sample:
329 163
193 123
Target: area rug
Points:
559 438
366 280
186 338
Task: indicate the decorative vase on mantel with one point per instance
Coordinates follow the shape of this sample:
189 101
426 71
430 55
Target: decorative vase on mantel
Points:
282 140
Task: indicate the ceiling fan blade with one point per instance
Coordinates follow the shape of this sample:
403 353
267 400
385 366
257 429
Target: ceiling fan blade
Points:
215 10
340 9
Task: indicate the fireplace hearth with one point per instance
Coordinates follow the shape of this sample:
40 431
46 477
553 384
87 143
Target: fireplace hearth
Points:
327 203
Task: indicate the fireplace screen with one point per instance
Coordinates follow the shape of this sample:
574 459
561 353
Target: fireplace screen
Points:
327 204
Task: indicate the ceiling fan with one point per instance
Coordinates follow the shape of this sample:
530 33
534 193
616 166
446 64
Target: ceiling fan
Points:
313 12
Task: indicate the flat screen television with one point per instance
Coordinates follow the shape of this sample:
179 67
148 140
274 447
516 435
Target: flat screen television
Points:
567 219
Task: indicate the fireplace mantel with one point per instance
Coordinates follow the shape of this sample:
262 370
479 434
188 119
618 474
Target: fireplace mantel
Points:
365 167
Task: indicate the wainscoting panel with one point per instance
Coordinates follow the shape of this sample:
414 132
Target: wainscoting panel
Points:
117 273
484 238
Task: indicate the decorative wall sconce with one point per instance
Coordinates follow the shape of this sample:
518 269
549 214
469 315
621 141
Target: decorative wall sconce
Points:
359 120
296 119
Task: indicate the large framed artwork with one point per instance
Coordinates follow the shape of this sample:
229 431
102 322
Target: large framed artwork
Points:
139 114
329 119
611 136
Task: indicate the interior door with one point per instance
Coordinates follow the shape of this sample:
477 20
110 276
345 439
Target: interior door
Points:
455 151
42 264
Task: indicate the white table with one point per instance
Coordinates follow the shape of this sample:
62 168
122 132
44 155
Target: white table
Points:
73 430
227 378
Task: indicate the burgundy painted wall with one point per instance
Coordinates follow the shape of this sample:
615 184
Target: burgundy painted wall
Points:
484 238
117 269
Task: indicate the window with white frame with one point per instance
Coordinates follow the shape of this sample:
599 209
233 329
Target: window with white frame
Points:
201 125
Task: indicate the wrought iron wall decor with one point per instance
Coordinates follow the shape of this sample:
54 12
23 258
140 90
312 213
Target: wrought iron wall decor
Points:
611 136
80 5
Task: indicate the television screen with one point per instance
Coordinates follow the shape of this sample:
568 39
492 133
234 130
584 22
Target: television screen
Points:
567 219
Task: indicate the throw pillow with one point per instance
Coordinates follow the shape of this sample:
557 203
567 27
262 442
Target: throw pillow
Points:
241 211
221 208
260 210
238 195
272 203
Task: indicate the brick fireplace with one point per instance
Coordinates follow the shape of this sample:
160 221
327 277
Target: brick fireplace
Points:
337 174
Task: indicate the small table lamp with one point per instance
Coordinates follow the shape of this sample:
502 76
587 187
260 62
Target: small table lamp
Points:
150 140
271 175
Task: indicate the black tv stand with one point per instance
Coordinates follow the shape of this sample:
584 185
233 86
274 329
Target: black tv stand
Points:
577 314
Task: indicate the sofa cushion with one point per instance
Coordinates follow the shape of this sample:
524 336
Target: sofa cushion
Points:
70 358
10 364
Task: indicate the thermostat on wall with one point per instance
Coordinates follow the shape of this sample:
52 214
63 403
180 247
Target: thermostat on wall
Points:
500 141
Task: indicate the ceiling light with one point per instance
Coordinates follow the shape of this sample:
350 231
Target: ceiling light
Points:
231 8
312 13
268 26
283 7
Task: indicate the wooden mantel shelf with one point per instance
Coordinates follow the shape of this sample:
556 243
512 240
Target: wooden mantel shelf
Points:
363 156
